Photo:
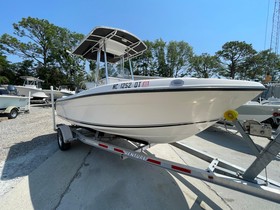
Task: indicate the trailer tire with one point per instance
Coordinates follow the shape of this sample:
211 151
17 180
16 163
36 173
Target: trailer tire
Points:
61 143
13 113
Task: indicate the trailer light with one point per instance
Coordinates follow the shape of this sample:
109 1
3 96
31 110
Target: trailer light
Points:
275 114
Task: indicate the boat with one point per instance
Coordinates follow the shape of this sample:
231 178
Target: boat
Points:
62 91
267 110
11 104
272 91
32 85
162 110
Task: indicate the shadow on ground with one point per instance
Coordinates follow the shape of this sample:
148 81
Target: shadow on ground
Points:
24 157
226 139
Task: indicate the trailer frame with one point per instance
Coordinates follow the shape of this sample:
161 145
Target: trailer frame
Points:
218 172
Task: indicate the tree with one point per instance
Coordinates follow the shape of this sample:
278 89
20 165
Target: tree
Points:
144 64
178 55
4 63
163 59
204 66
46 45
160 58
6 74
233 55
270 64
257 66
24 68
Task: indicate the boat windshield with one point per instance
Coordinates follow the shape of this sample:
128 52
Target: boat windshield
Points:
32 83
117 70
116 73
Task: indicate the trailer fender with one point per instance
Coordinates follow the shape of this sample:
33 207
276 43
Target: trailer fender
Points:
64 136
66 133
12 112
9 109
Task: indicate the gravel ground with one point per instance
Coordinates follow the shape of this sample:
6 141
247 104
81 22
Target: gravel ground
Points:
25 142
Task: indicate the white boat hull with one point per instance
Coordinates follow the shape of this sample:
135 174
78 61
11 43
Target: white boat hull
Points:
257 111
57 94
157 113
17 101
34 92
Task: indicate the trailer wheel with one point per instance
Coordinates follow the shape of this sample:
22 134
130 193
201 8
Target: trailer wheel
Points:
61 143
13 113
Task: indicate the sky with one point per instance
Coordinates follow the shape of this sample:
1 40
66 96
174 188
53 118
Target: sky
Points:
205 25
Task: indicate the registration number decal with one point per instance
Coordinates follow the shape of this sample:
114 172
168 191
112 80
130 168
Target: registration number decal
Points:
127 85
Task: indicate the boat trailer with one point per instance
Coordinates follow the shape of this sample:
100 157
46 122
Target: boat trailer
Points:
218 172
